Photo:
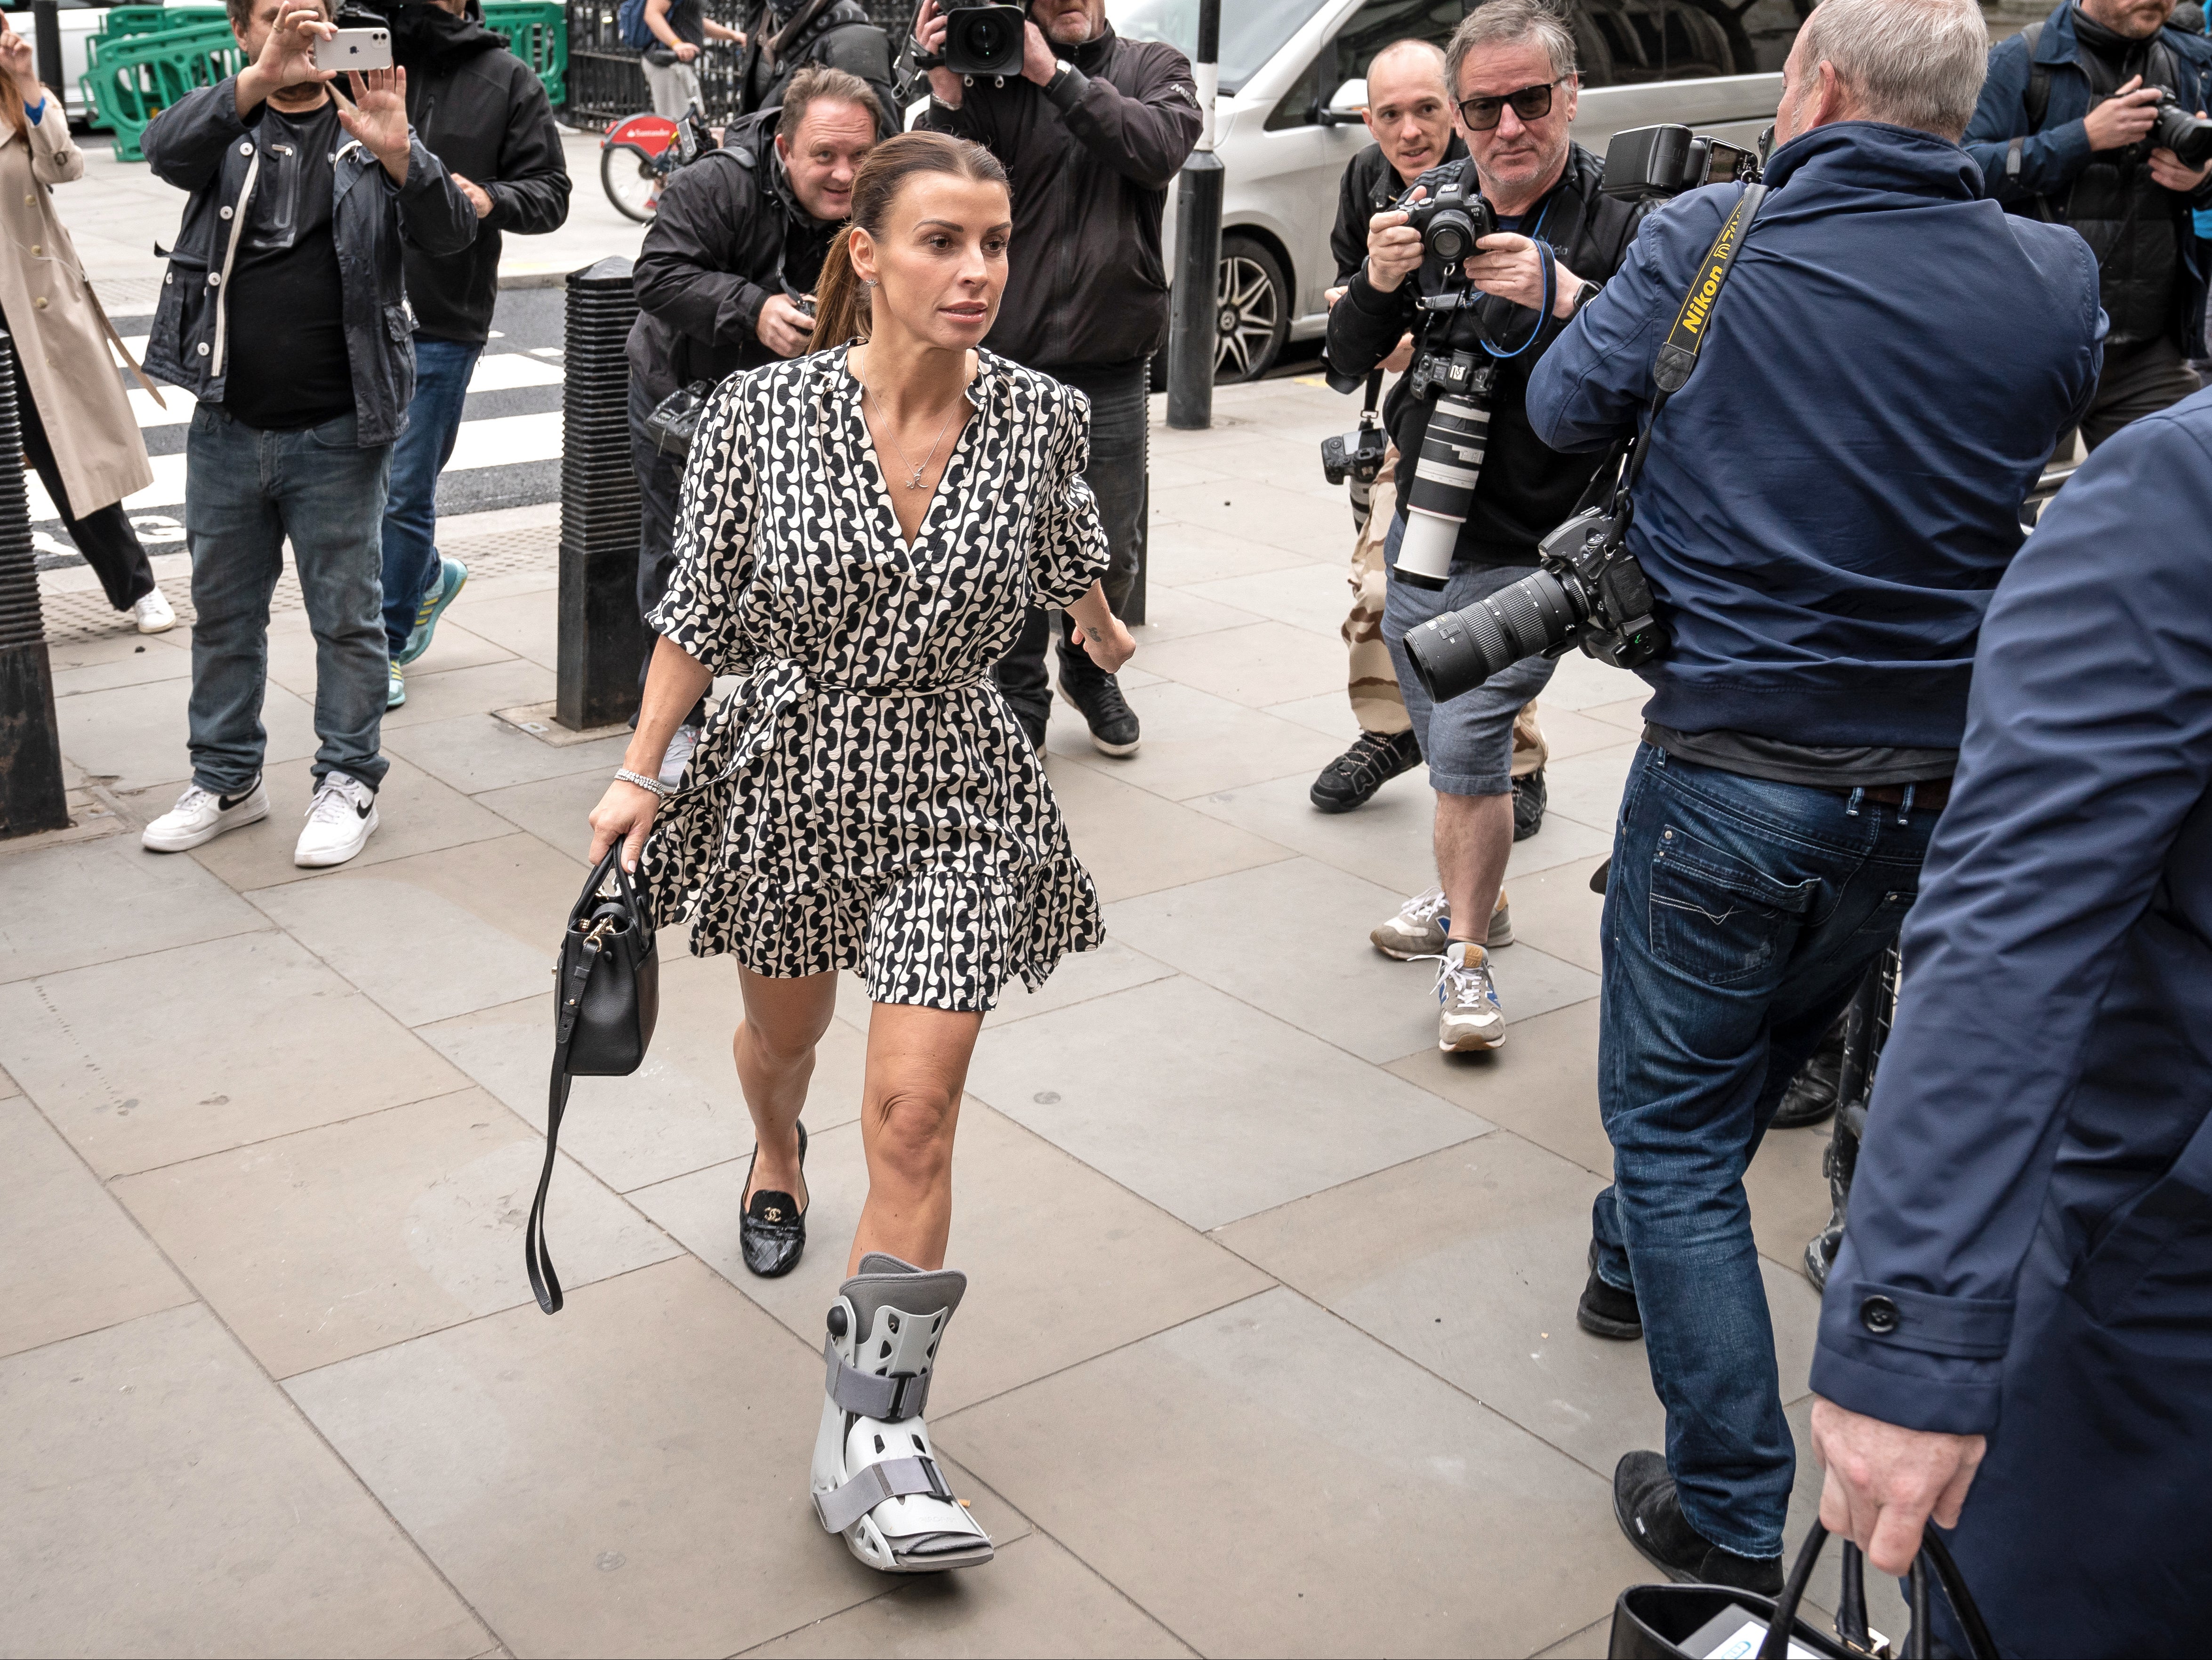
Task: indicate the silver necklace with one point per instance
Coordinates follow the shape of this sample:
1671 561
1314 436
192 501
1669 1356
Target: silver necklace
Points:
913 473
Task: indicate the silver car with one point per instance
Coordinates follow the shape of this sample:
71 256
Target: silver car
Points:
1293 82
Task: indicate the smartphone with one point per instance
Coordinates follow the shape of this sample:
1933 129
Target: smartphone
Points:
354 49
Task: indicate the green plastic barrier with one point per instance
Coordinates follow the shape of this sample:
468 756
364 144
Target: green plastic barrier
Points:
137 76
537 32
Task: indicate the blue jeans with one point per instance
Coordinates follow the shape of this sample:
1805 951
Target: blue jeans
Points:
245 491
442 368
1740 917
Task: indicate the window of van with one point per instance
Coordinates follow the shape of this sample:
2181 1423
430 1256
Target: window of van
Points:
1252 31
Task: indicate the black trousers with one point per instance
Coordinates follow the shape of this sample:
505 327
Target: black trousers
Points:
1118 477
104 537
659 488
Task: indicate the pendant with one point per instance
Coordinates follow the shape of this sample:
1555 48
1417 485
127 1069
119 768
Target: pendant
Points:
915 482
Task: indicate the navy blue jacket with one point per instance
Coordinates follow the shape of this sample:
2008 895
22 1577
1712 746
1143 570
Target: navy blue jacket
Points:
2034 1194
1830 498
2050 159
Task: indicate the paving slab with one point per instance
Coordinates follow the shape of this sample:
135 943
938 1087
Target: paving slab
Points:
1272 1482
1256 664
126 659
1132 841
321 1246
1567 733
1329 713
1313 597
1585 685
435 693
73 904
1196 743
682 1110
71 1262
1034 1599
1587 788
1541 1085
1203 1104
164 1498
1390 841
1082 975
557 810
224 1044
134 735
630 1477
1265 513
519 623
1062 1263
1171 613
477 753
1554 910
1183 555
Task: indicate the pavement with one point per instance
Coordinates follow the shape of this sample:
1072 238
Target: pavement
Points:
1270 1345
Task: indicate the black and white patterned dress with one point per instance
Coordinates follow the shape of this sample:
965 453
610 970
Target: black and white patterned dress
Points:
875 803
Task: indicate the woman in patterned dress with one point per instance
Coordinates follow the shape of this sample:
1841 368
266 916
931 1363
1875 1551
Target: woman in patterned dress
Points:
862 531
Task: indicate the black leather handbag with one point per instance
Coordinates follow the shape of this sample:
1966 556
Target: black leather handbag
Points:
1694 1622
674 421
606 997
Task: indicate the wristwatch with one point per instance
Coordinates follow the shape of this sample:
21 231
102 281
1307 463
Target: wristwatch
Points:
1584 294
1061 68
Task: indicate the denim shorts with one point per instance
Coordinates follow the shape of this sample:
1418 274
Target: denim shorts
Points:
1468 742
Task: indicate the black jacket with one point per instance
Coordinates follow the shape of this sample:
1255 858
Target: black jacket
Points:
199 145
1091 162
729 233
1369 185
1526 488
837 34
482 111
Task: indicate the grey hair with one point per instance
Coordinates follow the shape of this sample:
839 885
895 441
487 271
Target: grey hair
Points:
1513 23
1916 63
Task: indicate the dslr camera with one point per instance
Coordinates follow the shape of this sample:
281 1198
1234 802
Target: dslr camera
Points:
980 38
2175 127
1356 459
1452 220
1649 164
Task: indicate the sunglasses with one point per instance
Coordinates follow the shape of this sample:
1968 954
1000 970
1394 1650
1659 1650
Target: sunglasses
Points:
1529 103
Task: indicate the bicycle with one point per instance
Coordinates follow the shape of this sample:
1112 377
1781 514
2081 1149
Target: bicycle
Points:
639 153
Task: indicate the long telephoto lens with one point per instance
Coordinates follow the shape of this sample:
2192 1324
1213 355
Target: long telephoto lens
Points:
1460 650
1442 490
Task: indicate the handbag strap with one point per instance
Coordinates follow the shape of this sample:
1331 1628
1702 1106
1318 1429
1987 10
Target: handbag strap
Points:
544 1284
1918 1645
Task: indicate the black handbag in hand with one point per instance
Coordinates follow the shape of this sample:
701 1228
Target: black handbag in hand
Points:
1694 1622
674 421
606 997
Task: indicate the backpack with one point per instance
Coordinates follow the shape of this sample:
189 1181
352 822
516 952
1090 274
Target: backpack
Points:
630 24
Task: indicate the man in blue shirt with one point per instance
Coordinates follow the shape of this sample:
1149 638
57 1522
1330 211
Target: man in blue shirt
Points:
1825 509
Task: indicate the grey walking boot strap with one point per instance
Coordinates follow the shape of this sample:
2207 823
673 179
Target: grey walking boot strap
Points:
871 1395
893 1478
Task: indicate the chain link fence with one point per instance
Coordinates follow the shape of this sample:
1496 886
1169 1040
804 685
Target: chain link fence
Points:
605 83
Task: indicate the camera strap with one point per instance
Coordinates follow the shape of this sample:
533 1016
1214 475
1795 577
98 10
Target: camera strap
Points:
1678 354
1374 396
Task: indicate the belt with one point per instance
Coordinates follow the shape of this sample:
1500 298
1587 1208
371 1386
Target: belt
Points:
1930 793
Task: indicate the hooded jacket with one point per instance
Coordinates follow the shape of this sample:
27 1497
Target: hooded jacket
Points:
1090 160
728 232
482 111
1829 501
199 145
837 34
2046 169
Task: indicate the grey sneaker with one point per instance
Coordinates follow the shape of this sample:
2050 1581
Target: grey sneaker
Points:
1422 925
677 755
1469 1017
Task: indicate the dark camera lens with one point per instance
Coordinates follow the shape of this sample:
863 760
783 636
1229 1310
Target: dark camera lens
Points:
985 39
2187 135
1459 651
1450 235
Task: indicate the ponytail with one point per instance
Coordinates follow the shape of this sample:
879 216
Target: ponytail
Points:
841 303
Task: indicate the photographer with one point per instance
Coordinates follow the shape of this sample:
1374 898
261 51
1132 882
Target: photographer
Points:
1092 133
782 37
1511 66
1823 510
284 313
2028 1222
482 111
724 278
2064 132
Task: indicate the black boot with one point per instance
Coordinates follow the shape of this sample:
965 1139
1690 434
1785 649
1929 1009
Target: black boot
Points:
1811 1096
1650 1513
1528 805
1607 1310
1837 1164
1351 779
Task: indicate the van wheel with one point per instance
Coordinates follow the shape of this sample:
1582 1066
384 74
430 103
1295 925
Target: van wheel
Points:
1253 317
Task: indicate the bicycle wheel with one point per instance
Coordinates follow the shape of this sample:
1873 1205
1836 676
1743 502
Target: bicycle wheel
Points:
631 179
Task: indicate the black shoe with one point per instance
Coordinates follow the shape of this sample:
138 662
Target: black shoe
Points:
1097 698
772 1233
1351 779
1811 1097
1650 1513
1528 805
1607 1310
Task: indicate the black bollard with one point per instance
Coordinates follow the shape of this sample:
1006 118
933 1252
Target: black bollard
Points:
1195 328
602 639
32 794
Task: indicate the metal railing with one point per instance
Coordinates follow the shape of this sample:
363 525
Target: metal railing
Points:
607 83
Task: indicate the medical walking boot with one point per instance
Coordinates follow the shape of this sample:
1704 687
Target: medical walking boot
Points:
876 1480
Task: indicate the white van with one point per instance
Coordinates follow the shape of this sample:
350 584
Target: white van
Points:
1293 80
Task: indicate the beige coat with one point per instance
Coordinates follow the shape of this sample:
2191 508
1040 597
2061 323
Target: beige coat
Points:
55 320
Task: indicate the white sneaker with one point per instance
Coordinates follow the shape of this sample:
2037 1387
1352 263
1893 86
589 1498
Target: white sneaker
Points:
1470 1017
1423 924
679 756
153 614
200 815
339 822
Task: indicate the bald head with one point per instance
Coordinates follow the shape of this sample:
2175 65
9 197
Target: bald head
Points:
1408 109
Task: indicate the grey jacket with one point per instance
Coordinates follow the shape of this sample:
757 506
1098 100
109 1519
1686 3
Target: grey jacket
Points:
199 144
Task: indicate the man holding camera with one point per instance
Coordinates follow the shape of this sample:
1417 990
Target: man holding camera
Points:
1511 66
1092 130
284 313
2077 124
1826 504
725 281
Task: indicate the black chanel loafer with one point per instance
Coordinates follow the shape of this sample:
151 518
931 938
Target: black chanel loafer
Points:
772 1233
1645 1504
